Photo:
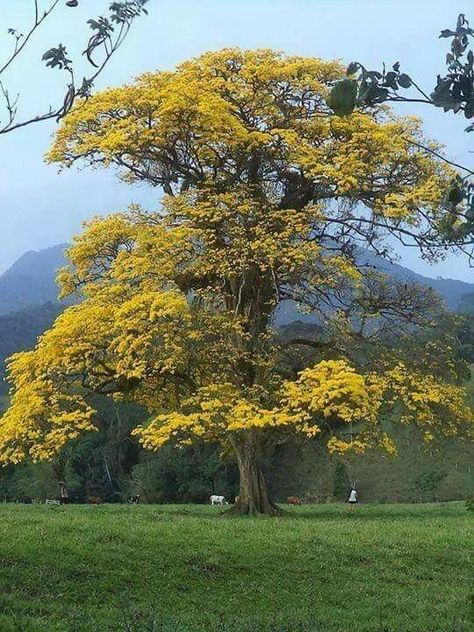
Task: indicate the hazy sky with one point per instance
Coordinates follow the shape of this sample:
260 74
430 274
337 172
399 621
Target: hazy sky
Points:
39 207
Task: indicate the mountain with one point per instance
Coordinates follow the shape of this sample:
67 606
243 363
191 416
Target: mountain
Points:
451 290
455 293
28 301
31 280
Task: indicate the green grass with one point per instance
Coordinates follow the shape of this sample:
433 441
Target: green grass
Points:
384 568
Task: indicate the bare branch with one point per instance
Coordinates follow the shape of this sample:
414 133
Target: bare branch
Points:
109 33
25 39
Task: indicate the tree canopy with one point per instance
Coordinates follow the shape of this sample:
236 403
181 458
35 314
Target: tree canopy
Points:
453 92
269 199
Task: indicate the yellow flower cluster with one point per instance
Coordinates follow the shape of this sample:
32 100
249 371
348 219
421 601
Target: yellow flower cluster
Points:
218 410
201 123
435 406
41 419
333 389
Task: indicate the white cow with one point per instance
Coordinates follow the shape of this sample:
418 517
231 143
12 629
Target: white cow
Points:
218 500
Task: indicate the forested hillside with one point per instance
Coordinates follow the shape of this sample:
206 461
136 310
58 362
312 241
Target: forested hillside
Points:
19 331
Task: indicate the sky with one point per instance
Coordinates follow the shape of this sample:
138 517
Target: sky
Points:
40 207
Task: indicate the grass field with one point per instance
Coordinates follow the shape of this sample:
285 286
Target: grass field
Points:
387 568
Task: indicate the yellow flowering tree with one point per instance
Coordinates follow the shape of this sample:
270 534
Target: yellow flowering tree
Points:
267 200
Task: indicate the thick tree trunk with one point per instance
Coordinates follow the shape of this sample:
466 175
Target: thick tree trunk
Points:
253 496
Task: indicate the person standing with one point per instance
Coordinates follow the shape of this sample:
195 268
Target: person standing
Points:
64 497
352 498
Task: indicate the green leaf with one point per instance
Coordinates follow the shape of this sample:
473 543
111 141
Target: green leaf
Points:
455 193
342 98
469 109
391 80
447 33
373 94
404 81
56 57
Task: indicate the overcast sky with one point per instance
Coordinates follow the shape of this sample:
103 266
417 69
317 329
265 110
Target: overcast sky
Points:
40 208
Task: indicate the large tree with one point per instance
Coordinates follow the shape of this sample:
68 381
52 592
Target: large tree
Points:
268 202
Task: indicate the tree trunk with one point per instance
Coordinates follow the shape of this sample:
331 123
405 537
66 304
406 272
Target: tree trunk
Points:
253 496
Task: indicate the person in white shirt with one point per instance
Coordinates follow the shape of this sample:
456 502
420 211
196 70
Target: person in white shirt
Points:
352 498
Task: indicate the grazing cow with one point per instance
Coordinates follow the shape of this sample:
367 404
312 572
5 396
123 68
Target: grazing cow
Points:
94 500
294 500
218 500
69 496
134 500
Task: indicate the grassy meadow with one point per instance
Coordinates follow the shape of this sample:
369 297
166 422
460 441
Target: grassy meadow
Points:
181 568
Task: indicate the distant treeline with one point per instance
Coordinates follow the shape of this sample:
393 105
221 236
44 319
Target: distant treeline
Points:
111 465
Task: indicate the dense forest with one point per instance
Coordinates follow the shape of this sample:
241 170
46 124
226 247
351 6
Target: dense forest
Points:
19 330
111 465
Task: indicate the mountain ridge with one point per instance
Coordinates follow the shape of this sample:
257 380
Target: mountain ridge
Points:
29 297
38 263
450 289
31 280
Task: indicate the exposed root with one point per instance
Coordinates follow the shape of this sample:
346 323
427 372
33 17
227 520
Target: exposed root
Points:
245 509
